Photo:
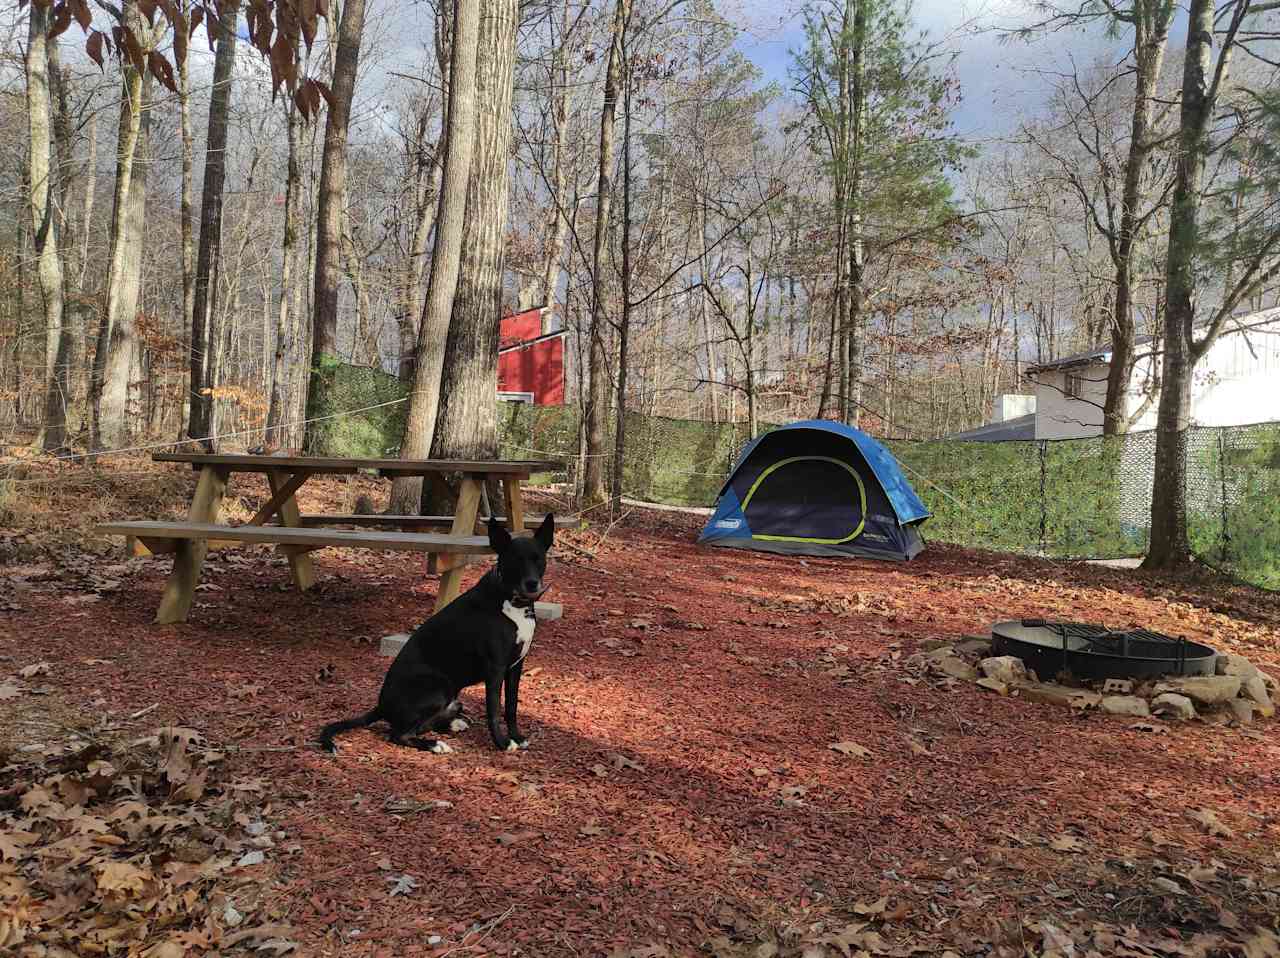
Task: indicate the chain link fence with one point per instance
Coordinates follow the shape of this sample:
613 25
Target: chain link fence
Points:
1068 498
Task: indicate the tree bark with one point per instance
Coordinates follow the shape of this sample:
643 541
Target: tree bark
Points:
286 409
624 328
117 338
852 403
442 286
1170 544
552 264
333 179
467 423
593 491
1151 32
204 332
185 207
45 236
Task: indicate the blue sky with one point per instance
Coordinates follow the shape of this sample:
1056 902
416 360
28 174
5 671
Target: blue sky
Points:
1001 82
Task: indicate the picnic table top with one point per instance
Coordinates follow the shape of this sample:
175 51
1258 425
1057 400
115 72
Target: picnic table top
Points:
326 464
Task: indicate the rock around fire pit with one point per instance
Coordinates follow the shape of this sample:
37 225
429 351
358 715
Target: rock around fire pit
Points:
1090 652
1233 690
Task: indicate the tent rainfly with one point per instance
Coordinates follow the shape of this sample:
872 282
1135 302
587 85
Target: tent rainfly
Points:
818 488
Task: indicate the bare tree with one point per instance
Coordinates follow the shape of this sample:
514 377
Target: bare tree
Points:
466 424
597 404
117 339
44 234
204 331
433 331
1248 260
333 178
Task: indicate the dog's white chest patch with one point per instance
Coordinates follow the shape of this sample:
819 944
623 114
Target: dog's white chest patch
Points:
525 623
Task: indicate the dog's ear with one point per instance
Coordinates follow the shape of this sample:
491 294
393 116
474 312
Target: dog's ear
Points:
546 532
499 537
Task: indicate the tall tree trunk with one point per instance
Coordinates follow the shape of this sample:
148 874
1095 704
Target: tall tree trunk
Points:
1170 545
1151 31
427 195
181 51
467 423
204 309
704 307
553 261
857 248
428 179
117 339
624 328
49 264
286 407
433 331
333 182
593 491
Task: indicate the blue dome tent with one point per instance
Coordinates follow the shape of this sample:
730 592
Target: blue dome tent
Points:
818 488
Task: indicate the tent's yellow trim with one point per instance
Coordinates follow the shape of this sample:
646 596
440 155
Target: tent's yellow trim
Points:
862 500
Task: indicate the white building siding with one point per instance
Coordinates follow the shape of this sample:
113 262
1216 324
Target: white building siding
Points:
1237 383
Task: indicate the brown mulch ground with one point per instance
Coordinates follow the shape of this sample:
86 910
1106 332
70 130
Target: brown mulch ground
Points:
680 788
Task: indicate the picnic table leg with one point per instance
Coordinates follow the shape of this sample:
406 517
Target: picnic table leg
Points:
300 565
515 505
464 524
188 557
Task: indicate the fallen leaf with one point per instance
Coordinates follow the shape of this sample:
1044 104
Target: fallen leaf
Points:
1066 843
590 830
122 877
506 839
850 748
874 908
1207 818
621 761
251 858
10 841
31 671
1263 943
403 884
1149 727
9 691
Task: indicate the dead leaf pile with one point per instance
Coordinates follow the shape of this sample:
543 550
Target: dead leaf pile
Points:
132 850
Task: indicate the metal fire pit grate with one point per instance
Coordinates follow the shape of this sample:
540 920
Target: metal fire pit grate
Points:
1089 651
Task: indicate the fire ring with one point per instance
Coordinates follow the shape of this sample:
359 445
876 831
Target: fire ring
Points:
1087 651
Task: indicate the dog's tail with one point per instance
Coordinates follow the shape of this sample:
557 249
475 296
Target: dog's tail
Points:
325 738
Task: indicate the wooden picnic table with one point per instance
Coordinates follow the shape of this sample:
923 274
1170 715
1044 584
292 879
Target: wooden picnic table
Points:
297 535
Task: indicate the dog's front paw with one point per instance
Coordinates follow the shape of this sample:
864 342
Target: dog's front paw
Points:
513 746
441 748
459 725
519 743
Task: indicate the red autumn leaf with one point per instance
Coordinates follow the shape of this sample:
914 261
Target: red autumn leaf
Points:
129 43
80 9
161 70
93 47
61 20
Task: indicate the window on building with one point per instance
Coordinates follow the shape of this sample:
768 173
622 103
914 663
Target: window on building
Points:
1074 387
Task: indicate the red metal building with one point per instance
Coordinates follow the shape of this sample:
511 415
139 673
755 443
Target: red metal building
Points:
530 360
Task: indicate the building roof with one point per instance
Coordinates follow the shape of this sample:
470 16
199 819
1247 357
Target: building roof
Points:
1102 354
1011 430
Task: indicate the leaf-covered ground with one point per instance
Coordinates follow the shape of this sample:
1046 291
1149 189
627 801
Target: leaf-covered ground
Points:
731 755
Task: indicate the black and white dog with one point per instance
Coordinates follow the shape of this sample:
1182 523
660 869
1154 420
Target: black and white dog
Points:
481 636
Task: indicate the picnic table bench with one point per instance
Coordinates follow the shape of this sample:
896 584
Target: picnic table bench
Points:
297 535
